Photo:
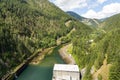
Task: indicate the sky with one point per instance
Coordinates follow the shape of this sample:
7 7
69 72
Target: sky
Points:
98 9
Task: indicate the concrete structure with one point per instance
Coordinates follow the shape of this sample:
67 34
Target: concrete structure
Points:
65 72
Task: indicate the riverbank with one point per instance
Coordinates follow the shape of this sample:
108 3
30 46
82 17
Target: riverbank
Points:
36 59
46 57
40 56
42 64
17 71
67 57
43 70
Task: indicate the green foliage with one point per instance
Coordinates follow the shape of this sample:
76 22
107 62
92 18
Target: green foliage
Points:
111 23
25 26
115 71
79 39
113 51
7 42
87 75
99 77
105 42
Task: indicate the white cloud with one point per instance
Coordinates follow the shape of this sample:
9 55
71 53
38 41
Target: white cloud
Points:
101 1
90 14
93 6
107 11
67 5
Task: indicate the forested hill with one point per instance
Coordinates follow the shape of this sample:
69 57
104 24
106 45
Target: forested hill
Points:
98 53
26 26
111 23
109 44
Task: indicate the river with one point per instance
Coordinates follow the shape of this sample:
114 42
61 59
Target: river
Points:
43 70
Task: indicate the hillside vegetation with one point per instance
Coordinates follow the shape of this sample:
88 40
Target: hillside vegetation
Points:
28 25
92 48
111 23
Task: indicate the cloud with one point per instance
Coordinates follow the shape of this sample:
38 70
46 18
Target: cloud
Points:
107 11
67 5
90 14
101 1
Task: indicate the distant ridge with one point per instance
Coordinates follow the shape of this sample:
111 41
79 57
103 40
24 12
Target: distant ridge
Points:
88 21
111 23
75 15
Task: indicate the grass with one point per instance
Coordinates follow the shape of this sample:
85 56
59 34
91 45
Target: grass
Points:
70 48
42 71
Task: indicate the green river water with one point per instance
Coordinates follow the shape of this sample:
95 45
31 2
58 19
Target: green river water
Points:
42 71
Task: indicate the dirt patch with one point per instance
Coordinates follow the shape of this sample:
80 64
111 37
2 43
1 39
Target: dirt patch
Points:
103 71
68 23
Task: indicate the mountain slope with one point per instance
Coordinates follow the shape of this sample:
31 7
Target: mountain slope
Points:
88 21
25 26
75 15
92 49
92 22
111 23
110 45
29 25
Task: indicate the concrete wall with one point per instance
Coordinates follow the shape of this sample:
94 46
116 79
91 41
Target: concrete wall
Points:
64 75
